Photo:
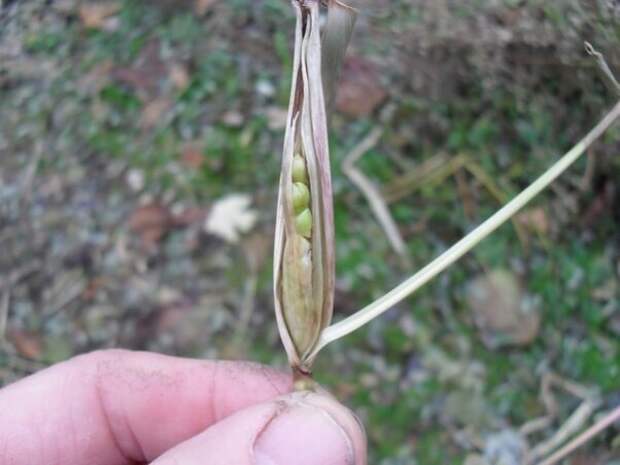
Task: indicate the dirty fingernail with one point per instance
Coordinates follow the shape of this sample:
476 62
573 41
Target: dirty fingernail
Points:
303 435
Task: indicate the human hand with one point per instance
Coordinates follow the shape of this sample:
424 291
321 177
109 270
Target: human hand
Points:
129 408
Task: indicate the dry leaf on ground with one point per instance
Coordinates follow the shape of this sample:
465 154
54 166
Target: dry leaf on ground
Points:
535 219
230 217
96 15
96 78
501 309
153 112
360 91
150 222
146 73
27 344
192 156
179 76
202 7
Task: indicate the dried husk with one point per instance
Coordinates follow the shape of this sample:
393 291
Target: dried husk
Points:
304 239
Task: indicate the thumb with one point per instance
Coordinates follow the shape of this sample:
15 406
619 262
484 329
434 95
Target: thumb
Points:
302 428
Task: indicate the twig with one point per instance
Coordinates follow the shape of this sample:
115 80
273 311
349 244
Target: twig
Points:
548 381
604 67
5 287
438 168
20 273
429 171
569 386
535 425
489 184
586 180
29 173
69 292
365 315
372 194
573 424
584 437
465 193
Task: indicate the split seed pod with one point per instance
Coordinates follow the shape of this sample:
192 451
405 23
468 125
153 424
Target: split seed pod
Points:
304 265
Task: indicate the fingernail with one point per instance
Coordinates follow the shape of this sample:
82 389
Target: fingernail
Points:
303 435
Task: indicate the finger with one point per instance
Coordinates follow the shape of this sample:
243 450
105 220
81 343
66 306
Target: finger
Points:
300 429
119 407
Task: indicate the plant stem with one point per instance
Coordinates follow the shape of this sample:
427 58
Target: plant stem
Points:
368 313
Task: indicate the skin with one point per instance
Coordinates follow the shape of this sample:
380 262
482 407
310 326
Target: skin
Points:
127 408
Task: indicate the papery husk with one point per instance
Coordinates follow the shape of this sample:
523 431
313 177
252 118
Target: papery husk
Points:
336 37
304 269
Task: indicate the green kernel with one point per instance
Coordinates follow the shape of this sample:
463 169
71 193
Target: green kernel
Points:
300 174
303 223
301 197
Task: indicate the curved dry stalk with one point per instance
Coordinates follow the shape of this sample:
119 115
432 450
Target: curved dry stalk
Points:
584 437
368 313
572 425
604 67
373 195
336 36
439 167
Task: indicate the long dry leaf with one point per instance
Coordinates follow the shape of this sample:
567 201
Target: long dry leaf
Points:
336 37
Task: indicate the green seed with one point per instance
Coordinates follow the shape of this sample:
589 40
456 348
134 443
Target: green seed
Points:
300 174
301 197
303 223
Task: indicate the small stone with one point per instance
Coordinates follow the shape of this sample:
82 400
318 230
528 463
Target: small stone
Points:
135 180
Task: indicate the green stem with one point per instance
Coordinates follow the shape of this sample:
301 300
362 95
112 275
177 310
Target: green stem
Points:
396 295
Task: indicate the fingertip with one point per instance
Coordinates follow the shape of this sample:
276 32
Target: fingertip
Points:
300 428
345 418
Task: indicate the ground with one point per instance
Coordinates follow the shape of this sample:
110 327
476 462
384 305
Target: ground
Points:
123 125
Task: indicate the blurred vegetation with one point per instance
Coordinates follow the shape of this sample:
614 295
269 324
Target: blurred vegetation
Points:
173 106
